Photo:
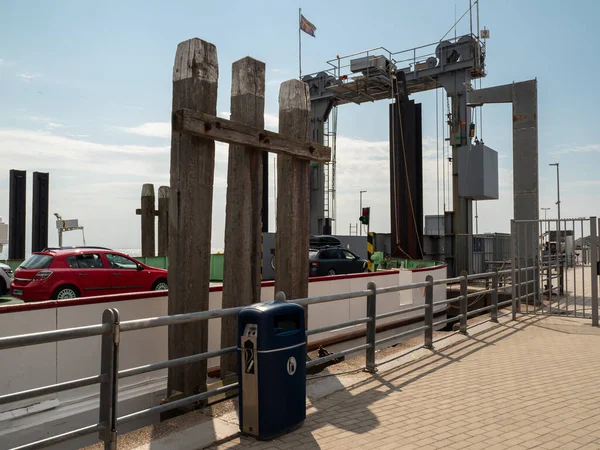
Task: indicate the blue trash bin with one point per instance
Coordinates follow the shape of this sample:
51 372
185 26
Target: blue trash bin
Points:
271 369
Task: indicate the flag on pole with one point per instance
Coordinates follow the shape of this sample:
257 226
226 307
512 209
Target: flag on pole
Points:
306 26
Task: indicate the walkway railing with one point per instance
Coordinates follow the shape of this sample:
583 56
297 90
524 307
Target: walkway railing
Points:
111 329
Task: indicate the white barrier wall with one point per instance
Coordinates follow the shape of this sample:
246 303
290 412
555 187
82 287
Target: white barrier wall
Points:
35 366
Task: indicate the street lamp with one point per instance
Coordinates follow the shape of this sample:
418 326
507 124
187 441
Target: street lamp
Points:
545 212
360 195
557 190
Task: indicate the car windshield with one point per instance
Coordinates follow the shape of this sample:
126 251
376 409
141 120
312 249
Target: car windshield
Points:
312 254
37 262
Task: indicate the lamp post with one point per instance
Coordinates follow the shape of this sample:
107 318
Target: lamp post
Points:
360 209
557 190
558 235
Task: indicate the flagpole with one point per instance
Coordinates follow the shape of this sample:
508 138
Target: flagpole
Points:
299 43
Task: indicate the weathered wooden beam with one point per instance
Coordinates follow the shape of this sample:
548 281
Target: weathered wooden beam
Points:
163 220
148 226
204 125
138 212
293 189
195 76
243 238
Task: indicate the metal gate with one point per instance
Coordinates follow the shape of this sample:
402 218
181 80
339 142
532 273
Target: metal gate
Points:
564 257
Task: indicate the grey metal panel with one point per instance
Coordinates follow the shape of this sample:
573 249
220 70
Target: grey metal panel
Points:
477 172
434 225
496 94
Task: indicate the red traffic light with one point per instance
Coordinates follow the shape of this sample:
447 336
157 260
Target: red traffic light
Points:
365 211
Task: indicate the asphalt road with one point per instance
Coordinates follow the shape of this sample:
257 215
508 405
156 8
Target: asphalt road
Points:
9 301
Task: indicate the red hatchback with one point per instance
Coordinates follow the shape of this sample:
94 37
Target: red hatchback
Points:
83 272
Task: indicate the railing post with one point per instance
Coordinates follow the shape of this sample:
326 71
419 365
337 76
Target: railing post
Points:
494 312
109 387
371 327
513 274
594 258
429 313
463 302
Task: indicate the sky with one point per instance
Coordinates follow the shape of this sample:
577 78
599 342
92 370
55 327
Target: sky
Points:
85 94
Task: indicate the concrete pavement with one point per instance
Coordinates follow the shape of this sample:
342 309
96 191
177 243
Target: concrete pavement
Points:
532 383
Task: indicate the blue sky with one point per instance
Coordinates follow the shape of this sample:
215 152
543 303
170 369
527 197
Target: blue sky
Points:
85 93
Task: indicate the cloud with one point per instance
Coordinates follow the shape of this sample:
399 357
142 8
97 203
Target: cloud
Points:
6 63
28 76
52 125
271 122
564 149
151 129
40 119
77 135
48 151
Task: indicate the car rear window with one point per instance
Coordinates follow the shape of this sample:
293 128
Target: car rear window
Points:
37 262
312 254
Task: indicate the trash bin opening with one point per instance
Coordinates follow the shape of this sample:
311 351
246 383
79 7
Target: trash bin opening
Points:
286 324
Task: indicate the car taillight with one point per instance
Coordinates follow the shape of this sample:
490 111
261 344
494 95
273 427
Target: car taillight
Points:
42 275
314 264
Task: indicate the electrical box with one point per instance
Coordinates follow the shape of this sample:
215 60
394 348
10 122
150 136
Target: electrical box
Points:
434 225
3 232
69 223
378 63
477 172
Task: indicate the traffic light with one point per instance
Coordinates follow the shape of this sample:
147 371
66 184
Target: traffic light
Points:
364 218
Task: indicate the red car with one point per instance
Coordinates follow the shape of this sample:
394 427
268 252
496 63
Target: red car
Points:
83 272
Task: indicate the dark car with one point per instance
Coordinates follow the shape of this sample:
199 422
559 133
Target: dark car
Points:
333 261
320 241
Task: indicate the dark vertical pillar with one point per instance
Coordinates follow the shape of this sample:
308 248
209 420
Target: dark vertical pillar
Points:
16 219
406 179
163 221
39 214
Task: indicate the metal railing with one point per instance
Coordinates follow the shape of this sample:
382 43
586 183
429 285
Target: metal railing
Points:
111 329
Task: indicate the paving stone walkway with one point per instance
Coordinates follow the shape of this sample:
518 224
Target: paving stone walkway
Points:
533 383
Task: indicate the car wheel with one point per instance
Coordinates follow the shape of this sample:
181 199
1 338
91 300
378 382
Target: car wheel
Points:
161 285
331 272
65 293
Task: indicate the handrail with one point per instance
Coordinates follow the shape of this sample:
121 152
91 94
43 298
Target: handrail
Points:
111 328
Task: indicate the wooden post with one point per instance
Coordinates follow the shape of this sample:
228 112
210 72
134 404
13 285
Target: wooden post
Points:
293 189
195 76
148 236
163 221
241 271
